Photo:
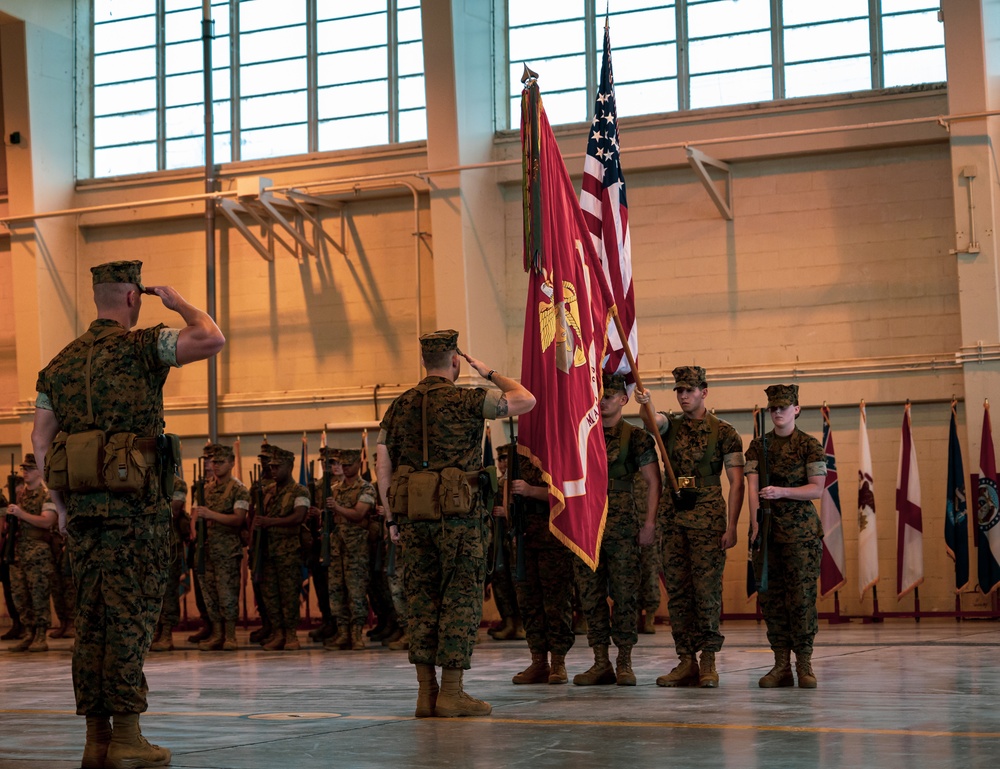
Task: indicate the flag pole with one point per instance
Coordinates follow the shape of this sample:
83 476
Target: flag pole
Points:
646 411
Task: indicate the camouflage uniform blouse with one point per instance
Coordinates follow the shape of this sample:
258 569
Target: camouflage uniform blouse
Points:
281 503
455 424
348 495
622 522
128 371
224 541
709 512
790 462
34 502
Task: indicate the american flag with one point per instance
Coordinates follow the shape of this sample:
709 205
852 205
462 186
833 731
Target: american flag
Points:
606 212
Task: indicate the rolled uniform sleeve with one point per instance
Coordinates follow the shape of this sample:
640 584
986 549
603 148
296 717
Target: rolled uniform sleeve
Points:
490 403
42 401
166 346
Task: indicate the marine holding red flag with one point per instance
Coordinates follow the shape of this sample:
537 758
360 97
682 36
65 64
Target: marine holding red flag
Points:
565 334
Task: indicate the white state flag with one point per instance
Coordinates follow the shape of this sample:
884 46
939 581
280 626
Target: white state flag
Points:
867 530
909 519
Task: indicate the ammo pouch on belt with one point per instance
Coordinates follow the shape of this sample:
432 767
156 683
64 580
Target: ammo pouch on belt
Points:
455 492
686 499
85 461
398 490
424 502
56 465
125 469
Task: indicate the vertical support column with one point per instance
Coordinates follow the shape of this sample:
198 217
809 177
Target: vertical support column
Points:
467 207
973 64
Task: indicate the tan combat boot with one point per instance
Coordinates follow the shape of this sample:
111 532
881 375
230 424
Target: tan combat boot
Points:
804 670
213 642
39 643
519 632
401 645
708 676
557 669
781 673
340 641
537 672
427 692
292 640
95 752
129 749
164 642
201 635
357 638
649 623
229 643
623 667
685 674
503 633
453 702
600 673
24 644
276 642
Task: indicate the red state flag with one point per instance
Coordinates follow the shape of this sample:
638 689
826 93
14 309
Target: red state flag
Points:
565 335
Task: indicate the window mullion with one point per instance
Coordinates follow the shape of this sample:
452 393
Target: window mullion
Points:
875 36
777 49
161 86
312 76
234 78
590 50
683 59
392 52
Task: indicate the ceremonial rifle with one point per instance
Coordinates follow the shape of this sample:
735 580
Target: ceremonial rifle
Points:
518 523
326 517
257 533
12 520
198 498
763 509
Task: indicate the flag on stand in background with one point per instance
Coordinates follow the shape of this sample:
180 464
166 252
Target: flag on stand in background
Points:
605 210
988 511
867 529
909 521
832 567
956 520
565 334
366 471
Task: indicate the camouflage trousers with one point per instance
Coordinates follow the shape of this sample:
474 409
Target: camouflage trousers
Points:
63 589
693 564
617 577
379 593
120 570
221 586
170 613
546 599
281 581
444 565
395 579
789 603
349 574
649 578
31 581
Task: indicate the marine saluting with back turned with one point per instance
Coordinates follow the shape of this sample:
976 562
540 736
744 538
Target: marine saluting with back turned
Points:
429 461
102 396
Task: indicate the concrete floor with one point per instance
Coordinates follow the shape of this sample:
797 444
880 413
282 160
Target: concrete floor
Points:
899 694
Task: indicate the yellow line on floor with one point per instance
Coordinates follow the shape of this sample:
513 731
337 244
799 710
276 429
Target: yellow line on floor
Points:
568 722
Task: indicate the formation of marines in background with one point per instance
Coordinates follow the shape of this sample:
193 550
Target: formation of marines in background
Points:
415 551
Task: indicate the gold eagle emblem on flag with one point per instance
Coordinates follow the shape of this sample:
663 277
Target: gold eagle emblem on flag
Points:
561 324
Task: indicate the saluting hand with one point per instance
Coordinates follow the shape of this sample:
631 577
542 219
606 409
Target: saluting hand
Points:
168 294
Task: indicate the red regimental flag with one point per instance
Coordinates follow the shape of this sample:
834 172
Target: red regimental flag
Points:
565 334
909 520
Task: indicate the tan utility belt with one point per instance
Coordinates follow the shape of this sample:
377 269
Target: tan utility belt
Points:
694 482
93 460
617 484
33 532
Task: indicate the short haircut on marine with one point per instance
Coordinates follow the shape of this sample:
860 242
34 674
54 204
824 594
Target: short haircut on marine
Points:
438 359
112 294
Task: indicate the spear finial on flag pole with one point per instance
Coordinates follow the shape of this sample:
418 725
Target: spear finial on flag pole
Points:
528 74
